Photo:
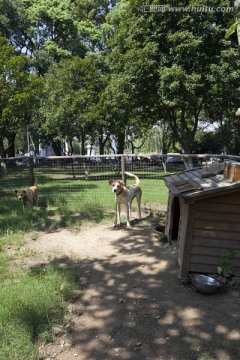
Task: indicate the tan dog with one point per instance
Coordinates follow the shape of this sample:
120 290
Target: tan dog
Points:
29 196
125 195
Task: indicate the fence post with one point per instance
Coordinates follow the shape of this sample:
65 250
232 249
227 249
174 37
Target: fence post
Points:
123 169
31 175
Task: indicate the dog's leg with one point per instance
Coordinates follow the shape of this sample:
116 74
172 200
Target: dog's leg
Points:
129 206
118 214
139 205
128 210
139 211
36 199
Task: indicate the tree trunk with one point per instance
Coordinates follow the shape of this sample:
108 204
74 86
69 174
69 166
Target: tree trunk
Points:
10 150
57 147
120 142
1 147
236 139
101 145
83 137
71 146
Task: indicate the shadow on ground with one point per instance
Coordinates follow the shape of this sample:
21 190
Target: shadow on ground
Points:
132 305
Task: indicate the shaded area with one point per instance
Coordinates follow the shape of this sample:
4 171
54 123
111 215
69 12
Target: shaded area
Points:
132 306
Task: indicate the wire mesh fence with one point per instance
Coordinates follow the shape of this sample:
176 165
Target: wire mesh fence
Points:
82 181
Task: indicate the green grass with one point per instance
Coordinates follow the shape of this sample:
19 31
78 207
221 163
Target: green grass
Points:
58 184
79 194
33 300
30 305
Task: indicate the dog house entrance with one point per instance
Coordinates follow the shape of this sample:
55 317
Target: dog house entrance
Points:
175 218
178 187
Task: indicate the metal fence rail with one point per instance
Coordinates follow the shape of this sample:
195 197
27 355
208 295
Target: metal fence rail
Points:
78 180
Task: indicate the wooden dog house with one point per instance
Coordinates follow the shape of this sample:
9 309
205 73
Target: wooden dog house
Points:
203 217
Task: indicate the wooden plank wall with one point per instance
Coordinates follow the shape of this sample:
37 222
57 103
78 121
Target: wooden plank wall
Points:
216 230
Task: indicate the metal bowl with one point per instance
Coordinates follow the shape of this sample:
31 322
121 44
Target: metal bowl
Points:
205 284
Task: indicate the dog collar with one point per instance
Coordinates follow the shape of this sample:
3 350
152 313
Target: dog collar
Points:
120 192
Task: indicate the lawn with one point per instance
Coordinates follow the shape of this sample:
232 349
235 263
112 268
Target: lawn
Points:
60 186
33 300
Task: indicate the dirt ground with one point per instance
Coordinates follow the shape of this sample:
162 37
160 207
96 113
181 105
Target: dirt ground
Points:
131 305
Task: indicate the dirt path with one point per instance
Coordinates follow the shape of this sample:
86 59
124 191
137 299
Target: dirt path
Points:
132 305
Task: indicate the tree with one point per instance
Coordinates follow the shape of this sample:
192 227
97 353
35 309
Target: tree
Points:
46 31
166 61
171 66
19 95
49 32
187 79
223 100
128 98
69 105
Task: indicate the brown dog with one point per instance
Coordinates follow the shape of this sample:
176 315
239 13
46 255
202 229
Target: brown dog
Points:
125 195
29 196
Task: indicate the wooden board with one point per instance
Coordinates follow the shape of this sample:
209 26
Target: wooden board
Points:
216 234
191 185
216 243
182 186
232 171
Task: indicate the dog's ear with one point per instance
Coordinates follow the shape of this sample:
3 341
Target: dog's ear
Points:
110 182
121 182
16 191
24 191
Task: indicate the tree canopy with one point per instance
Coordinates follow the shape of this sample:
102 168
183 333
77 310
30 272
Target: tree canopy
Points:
70 100
19 99
172 63
90 70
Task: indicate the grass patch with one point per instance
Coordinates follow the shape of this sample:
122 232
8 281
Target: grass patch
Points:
58 184
33 301
29 308
205 356
11 238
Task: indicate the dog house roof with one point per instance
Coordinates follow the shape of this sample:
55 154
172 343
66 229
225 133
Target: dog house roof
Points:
201 182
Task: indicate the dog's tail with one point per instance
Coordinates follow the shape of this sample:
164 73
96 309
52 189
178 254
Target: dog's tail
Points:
134 176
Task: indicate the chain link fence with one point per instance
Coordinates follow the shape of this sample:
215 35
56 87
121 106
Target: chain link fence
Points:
82 181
